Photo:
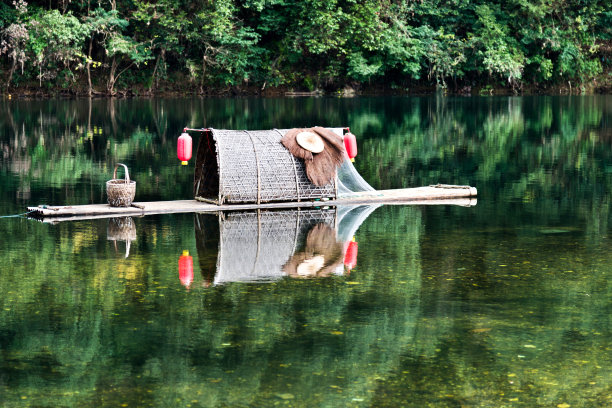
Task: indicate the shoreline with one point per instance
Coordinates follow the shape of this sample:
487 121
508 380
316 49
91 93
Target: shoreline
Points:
600 86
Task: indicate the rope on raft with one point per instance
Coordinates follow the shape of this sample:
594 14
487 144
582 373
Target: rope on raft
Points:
17 215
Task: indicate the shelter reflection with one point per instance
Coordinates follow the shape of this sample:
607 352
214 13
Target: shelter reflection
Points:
269 245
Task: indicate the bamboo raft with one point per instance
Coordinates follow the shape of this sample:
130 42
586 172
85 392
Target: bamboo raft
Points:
433 195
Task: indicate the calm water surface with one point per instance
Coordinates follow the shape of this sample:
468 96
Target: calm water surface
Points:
504 304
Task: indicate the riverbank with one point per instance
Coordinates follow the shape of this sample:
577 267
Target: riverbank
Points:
181 87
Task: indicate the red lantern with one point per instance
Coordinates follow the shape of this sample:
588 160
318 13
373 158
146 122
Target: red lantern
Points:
186 269
350 257
350 144
183 148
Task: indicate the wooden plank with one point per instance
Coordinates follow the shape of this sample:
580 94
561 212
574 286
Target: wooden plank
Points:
453 195
462 202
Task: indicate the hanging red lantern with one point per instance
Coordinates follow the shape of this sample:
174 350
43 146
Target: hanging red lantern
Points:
186 269
350 144
183 148
350 256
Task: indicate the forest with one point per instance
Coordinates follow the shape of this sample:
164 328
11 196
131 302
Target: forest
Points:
207 47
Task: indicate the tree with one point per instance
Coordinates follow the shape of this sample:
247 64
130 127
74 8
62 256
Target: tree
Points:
124 50
103 24
14 39
497 50
164 25
224 45
55 43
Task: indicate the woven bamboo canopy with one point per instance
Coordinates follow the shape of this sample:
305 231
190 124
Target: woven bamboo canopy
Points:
239 166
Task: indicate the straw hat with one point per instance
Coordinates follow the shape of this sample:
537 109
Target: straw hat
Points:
310 141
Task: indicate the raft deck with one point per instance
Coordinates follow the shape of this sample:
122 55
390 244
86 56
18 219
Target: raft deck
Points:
432 195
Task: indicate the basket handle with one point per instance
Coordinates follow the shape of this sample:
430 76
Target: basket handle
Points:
127 173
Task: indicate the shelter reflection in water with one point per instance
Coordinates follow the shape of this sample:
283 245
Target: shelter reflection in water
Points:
265 246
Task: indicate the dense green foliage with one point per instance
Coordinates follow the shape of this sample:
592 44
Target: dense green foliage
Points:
253 45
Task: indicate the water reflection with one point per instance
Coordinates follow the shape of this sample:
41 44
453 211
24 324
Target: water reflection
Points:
489 306
186 269
269 245
514 150
121 229
322 255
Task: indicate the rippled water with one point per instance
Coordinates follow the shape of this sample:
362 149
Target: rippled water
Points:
506 303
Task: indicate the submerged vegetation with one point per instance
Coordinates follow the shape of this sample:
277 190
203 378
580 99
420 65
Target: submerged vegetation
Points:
258 46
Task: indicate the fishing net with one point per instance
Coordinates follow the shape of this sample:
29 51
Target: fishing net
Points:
350 181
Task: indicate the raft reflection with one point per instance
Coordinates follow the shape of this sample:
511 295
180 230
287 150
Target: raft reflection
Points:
268 245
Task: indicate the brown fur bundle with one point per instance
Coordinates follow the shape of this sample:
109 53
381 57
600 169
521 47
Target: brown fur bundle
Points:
320 167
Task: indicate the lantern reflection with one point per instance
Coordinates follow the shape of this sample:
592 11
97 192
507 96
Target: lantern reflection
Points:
185 265
350 255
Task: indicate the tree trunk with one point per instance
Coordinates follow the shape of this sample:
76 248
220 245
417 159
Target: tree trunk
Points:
113 76
110 86
203 73
153 80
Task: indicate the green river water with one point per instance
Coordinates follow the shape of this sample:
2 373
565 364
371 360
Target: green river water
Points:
503 304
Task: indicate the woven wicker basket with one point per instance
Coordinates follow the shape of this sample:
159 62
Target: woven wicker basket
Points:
239 166
120 192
